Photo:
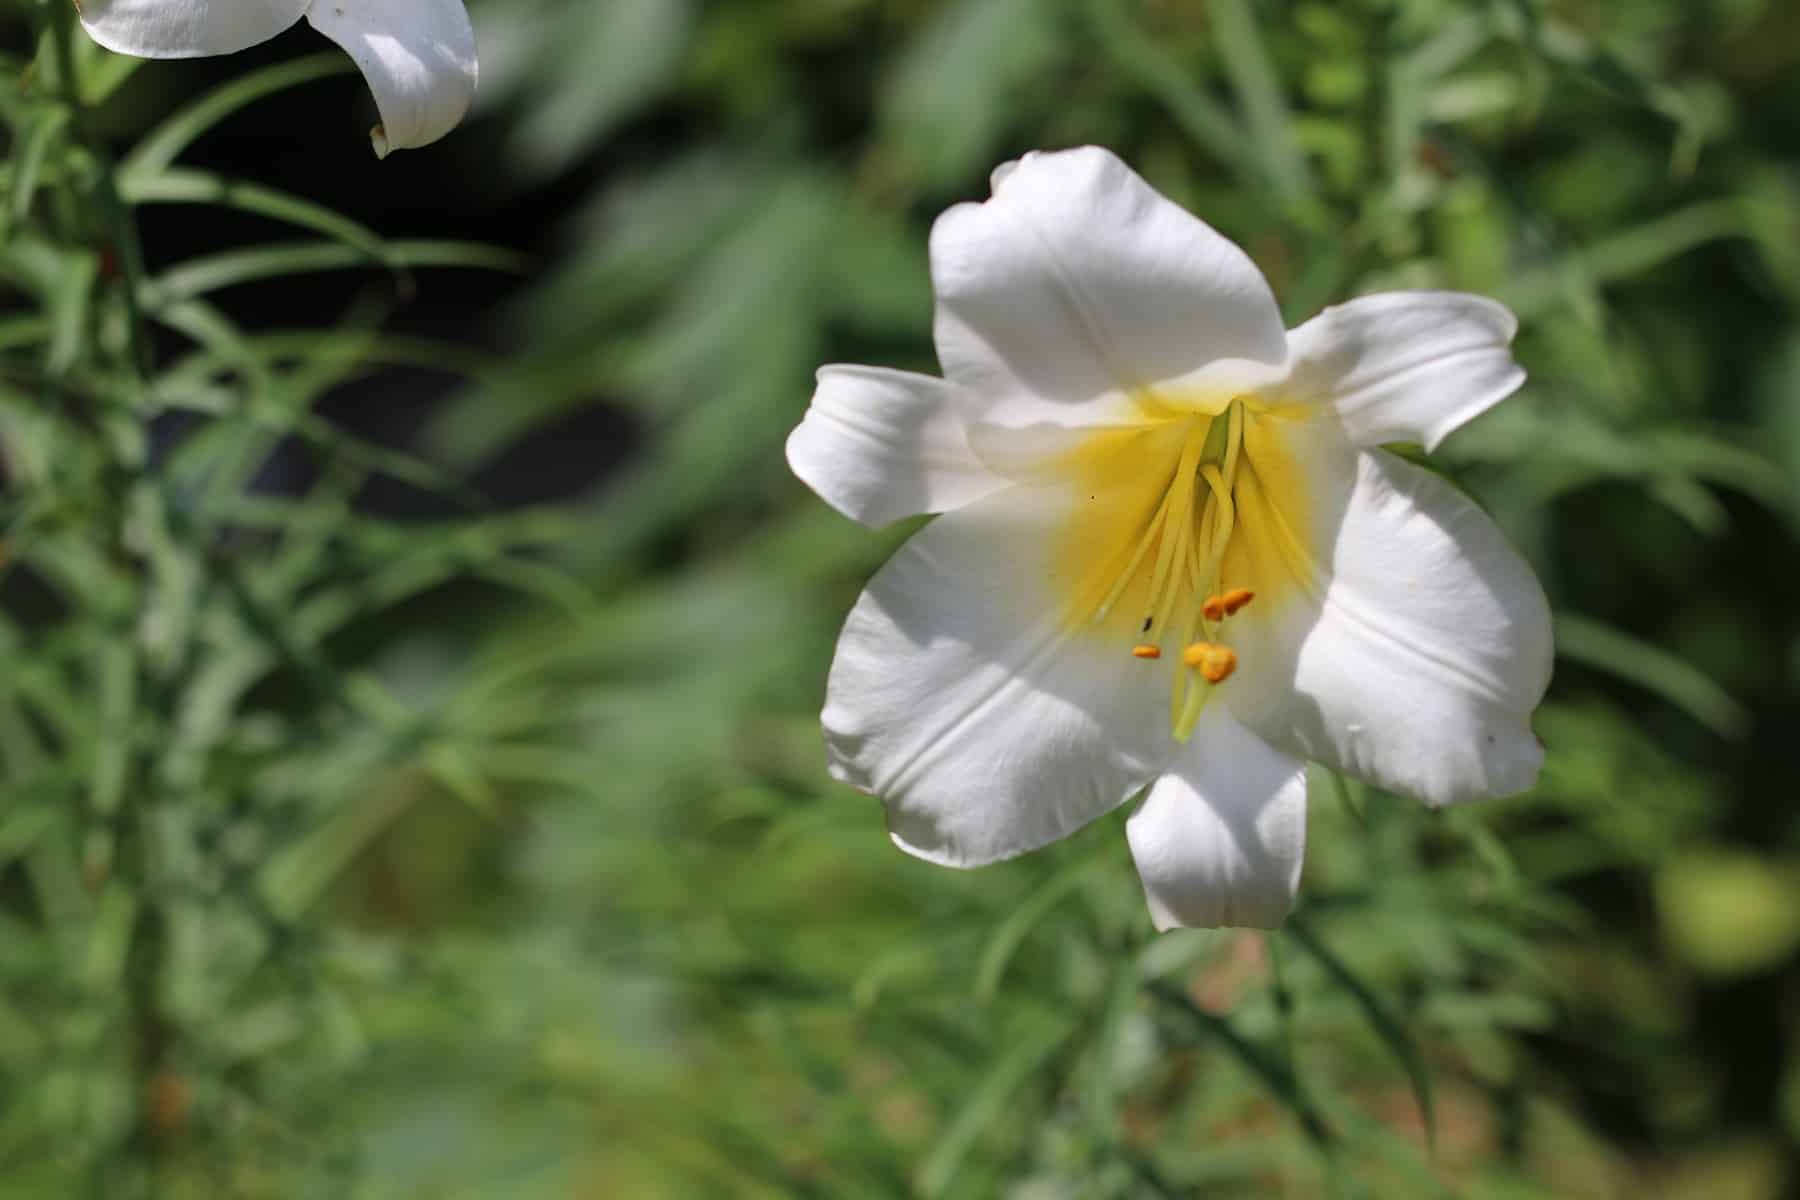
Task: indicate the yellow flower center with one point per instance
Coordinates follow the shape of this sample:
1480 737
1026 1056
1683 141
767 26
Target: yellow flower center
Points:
1173 519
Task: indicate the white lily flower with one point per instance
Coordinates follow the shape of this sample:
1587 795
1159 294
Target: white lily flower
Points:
417 55
1172 553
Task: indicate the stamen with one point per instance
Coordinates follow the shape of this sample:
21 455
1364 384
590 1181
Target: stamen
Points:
1146 651
1214 662
1164 588
1137 557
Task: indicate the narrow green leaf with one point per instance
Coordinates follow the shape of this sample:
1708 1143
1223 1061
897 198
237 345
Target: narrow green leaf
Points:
1652 668
453 771
118 667
232 268
109 939
1004 942
164 144
1203 119
1282 1083
952 95
1259 92
292 881
1712 456
988 1100
211 329
185 186
28 161
1623 255
1387 1027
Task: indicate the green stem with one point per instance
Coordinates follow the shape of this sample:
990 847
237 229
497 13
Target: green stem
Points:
131 855
121 230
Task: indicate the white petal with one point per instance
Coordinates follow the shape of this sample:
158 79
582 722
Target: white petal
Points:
1405 366
1405 642
1078 283
961 699
1220 839
419 59
186 28
881 445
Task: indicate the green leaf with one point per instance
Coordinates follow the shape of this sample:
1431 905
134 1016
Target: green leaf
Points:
233 268
954 91
1208 123
164 144
1282 1082
1623 255
1387 1027
184 186
28 162
1652 668
1007 936
1261 97
1030 1046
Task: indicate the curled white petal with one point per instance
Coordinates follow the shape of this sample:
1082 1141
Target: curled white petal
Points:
186 28
1405 366
959 697
1412 643
1221 838
1077 284
418 57
881 445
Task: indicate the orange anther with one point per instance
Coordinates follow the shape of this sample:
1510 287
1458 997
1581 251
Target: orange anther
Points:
1146 651
1214 608
1214 662
1235 599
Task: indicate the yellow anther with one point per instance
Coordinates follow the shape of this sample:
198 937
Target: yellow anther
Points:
1217 608
1214 662
1146 651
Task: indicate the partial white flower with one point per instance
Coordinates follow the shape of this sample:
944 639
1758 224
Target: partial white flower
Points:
1172 554
418 55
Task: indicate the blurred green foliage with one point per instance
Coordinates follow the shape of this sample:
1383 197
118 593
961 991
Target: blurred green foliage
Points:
489 853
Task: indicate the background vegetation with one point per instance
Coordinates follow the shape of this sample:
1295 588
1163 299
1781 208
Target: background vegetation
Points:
410 783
